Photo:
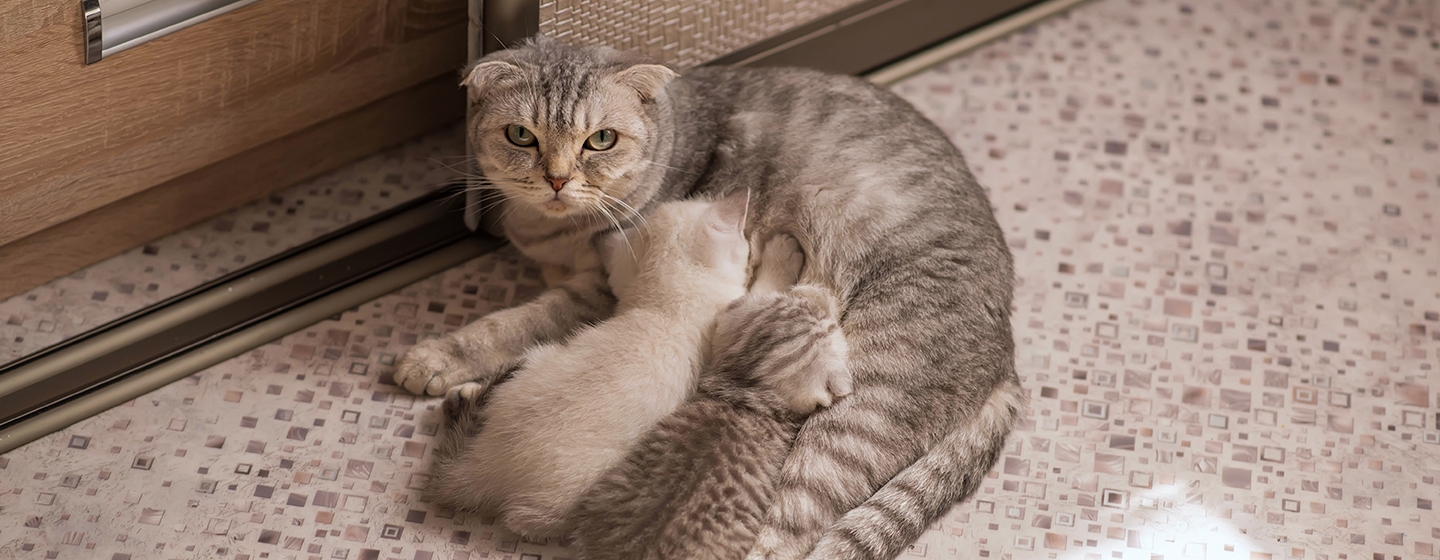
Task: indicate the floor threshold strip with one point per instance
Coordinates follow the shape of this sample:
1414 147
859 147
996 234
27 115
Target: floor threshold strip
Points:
313 281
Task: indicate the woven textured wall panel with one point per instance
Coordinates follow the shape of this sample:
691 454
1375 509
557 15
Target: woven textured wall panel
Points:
684 33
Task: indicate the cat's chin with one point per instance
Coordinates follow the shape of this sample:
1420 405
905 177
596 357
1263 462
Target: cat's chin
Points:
556 209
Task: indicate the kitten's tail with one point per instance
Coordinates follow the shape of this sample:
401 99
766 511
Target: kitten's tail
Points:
893 518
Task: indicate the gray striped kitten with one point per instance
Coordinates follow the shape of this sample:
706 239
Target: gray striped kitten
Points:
697 486
573 140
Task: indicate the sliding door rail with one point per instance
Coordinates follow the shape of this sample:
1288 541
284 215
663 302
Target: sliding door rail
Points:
251 296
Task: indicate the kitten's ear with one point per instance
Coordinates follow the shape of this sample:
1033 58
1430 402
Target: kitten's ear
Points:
728 214
646 79
486 75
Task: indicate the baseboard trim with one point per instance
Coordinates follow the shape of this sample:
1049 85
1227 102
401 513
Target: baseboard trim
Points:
81 406
872 34
399 239
966 42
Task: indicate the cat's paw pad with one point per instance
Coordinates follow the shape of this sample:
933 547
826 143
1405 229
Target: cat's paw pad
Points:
839 383
781 261
815 381
826 374
784 254
463 399
431 367
827 382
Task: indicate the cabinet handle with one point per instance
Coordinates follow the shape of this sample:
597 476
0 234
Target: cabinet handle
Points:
112 26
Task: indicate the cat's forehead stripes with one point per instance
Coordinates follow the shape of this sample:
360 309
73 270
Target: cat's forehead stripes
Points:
562 96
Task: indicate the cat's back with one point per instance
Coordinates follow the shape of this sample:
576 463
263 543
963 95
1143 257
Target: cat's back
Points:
601 378
778 108
695 487
742 85
859 175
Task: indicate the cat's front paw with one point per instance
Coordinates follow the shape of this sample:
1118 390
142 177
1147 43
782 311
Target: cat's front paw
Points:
825 381
827 378
781 261
433 366
463 401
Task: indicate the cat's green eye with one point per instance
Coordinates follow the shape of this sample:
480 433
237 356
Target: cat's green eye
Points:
601 140
520 136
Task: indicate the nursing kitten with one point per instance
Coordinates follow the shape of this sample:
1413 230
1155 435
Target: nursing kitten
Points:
573 409
891 221
697 485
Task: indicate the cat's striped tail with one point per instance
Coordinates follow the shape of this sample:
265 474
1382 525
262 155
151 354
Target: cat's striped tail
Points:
889 521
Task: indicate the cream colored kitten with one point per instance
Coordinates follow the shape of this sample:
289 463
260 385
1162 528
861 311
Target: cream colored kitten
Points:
574 409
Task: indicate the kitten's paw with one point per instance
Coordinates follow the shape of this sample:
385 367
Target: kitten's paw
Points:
839 382
463 401
827 377
432 367
781 261
825 381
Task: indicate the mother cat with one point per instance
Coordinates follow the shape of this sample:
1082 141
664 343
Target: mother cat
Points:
577 139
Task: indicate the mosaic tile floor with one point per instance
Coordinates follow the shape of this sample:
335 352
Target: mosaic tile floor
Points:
144 275
1224 218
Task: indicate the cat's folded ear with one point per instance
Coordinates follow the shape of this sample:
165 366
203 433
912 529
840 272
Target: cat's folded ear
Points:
646 79
728 214
486 75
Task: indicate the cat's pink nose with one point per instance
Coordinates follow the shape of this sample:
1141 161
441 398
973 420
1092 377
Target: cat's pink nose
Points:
557 183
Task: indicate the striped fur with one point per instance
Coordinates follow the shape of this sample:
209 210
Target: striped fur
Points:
891 221
698 485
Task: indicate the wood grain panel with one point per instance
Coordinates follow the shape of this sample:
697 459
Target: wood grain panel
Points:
78 137
19 18
201 194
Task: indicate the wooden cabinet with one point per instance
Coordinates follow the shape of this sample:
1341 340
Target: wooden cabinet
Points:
97 158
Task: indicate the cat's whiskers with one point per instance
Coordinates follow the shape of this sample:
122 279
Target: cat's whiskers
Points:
618 212
474 179
671 167
483 181
624 235
488 198
485 189
485 205
506 212
463 171
639 219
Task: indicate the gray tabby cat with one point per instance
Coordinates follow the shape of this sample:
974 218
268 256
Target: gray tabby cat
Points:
891 221
696 487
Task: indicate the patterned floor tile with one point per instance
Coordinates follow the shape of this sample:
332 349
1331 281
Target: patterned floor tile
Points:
300 448
1228 318
1224 220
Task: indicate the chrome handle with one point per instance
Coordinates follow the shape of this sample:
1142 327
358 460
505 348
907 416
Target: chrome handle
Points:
93 41
134 24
